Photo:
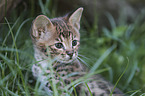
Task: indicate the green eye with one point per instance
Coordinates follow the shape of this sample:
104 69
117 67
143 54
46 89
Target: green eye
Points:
74 42
59 45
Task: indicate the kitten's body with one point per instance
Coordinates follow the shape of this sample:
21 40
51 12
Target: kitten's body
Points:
59 38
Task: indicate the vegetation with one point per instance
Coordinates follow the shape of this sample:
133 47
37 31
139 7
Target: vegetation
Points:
120 49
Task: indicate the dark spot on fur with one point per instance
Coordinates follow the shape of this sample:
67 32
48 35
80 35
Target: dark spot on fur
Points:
36 70
62 54
102 85
66 69
90 81
67 81
55 68
43 49
59 70
63 75
71 69
57 39
102 94
63 35
93 94
92 86
47 84
77 66
50 87
86 93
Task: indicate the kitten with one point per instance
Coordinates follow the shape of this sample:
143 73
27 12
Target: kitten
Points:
59 39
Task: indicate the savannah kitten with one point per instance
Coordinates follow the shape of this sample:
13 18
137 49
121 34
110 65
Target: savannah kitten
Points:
59 38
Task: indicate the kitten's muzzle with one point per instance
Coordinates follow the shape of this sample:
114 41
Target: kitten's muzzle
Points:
70 53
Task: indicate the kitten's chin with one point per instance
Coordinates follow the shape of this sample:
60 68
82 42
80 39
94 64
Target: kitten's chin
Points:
67 61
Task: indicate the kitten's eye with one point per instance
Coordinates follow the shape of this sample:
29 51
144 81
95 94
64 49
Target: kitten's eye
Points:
74 42
58 45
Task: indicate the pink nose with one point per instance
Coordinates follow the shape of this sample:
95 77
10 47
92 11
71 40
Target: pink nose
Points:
70 53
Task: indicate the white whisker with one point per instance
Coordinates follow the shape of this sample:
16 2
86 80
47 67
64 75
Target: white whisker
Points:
83 62
85 57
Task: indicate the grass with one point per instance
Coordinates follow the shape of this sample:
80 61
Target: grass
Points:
108 55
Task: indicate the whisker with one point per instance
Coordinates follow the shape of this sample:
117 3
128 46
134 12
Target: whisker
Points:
85 57
84 62
82 67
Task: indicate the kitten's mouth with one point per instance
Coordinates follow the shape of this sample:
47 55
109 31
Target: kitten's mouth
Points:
69 60
66 59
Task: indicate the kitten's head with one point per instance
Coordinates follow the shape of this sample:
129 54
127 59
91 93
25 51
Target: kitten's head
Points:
59 35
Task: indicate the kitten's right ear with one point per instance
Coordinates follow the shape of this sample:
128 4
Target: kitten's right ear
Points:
40 25
74 19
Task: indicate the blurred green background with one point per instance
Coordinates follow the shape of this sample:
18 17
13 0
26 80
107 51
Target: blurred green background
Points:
112 36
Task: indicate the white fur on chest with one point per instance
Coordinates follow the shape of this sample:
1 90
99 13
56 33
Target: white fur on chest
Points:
42 64
41 68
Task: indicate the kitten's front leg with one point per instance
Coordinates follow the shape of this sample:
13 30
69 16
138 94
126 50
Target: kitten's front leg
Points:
42 76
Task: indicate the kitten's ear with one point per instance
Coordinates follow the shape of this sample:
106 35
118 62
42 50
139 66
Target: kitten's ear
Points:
74 19
41 25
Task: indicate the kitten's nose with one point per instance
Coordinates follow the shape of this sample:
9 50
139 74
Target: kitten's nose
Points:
70 53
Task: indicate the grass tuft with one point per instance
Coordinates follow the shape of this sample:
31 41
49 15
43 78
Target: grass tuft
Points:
104 53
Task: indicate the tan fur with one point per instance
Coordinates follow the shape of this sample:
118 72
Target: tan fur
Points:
58 39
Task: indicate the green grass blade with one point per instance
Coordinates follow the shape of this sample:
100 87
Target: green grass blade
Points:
102 58
132 74
17 56
88 89
53 80
142 94
10 92
111 20
6 49
20 27
133 94
4 41
119 78
5 7
42 7
85 77
74 90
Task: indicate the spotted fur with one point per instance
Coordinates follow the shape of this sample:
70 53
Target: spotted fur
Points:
59 39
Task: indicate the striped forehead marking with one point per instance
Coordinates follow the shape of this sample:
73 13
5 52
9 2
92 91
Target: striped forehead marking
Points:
62 28
64 25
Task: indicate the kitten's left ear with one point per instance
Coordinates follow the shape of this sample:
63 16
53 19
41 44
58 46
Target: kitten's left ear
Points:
74 19
41 26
